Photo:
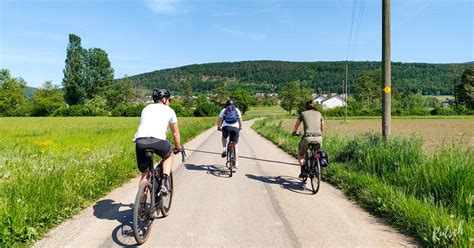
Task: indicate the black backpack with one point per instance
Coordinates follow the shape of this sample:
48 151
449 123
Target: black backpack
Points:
323 158
230 114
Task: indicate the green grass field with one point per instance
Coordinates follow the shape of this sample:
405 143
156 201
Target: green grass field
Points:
426 195
260 111
50 168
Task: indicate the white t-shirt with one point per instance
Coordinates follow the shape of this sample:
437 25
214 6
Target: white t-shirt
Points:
154 121
225 124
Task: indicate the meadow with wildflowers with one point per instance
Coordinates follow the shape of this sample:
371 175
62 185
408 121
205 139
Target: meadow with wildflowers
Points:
50 168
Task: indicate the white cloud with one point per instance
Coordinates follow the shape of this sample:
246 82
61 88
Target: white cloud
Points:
164 6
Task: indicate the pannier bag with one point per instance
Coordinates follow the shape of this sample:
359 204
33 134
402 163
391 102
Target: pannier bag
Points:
323 158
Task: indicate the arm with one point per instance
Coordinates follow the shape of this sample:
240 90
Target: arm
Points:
322 125
297 125
240 120
219 123
175 131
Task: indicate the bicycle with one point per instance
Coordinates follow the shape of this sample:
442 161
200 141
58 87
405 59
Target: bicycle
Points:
312 165
231 156
149 199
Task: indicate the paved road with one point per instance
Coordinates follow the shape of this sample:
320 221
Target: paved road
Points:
263 204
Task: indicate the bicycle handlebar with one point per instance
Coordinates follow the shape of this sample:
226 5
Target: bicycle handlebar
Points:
183 153
296 134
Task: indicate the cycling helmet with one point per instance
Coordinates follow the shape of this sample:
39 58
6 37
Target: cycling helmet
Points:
229 102
160 93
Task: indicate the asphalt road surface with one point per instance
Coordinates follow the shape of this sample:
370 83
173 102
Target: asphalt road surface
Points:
263 204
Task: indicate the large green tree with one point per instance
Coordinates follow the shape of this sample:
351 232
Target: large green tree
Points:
98 73
188 101
293 96
47 99
120 92
465 90
242 99
12 97
73 81
368 89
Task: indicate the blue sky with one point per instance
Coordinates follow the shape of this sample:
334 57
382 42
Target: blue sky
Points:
145 35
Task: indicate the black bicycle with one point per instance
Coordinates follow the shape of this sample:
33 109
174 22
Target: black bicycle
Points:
231 157
312 165
150 199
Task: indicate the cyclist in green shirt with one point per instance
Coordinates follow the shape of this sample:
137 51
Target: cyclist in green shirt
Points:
313 131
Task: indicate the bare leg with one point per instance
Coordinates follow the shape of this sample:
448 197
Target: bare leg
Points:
167 165
143 178
301 160
224 142
236 153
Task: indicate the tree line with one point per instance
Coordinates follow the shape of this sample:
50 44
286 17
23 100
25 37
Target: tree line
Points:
367 96
323 77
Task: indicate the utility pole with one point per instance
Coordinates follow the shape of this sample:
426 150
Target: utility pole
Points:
346 95
386 72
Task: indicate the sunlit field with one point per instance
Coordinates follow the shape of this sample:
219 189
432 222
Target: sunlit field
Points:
50 168
434 132
259 111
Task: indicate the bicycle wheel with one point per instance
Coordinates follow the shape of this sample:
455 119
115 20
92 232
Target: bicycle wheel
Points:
167 199
315 175
230 160
143 213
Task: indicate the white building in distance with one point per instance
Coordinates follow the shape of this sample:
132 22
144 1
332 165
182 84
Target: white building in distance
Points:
333 102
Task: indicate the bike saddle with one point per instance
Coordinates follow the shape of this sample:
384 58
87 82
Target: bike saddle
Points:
314 145
149 153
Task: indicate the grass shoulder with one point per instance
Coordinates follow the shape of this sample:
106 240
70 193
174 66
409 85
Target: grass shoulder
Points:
51 168
426 196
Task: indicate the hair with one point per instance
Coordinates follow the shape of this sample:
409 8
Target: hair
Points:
309 105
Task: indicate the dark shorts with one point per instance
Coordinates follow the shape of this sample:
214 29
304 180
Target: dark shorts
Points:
306 140
233 132
161 147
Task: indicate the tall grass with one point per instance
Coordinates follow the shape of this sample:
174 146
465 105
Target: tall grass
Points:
50 168
427 196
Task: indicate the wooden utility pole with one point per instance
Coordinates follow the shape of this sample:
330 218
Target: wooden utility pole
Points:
386 71
346 95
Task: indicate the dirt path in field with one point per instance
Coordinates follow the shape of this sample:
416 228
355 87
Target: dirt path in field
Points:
263 204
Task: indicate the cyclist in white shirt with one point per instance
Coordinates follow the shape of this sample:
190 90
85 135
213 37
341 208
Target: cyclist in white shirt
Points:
151 134
230 122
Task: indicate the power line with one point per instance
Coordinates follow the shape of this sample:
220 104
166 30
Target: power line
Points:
352 27
356 21
359 21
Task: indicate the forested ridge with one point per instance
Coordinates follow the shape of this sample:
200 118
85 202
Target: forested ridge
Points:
323 77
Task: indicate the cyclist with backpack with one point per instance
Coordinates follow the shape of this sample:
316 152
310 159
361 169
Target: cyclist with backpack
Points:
313 131
230 122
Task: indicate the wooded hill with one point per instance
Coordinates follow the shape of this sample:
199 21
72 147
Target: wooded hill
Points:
323 77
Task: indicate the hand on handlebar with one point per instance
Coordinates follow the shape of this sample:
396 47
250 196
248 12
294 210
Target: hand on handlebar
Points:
180 150
295 133
219 128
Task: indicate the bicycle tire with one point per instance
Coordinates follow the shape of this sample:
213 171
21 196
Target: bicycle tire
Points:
315 175
166 200
230 160
143 213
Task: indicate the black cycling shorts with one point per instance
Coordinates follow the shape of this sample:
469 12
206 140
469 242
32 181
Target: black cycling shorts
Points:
161 147
233 132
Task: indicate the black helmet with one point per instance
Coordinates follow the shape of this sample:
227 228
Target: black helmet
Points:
229 102
160 93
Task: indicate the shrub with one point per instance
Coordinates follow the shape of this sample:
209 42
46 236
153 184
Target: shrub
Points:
206 109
